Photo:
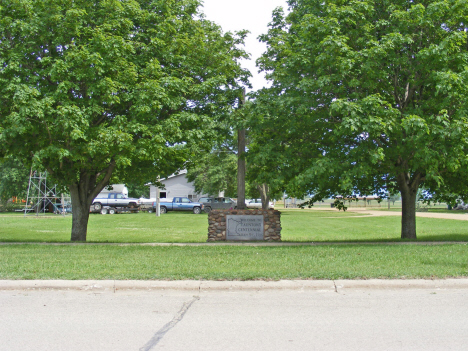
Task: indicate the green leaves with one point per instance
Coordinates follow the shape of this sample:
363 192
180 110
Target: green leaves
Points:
100 80
14 178
362 91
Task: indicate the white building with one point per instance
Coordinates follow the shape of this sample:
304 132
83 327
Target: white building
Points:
176 185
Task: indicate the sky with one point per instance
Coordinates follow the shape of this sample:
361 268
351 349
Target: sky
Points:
252 15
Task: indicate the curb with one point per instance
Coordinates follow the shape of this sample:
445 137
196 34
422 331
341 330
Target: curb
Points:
206 286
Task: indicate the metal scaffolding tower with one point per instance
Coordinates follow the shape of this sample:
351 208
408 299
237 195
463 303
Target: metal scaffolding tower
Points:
42 197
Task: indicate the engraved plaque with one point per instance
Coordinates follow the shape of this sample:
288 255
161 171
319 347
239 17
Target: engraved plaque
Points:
242 227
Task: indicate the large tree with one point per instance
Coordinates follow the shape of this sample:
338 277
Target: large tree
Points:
368 97
126 89
215 171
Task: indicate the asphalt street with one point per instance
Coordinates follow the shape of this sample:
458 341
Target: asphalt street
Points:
191 315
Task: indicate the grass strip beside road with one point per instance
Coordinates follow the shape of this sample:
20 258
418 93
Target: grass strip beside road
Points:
73 262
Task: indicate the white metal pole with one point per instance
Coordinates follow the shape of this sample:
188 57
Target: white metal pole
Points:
63 205
27 196
158 208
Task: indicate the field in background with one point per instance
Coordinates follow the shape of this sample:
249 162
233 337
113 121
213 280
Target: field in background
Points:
371 204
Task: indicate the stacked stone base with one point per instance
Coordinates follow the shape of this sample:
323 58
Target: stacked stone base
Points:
217 223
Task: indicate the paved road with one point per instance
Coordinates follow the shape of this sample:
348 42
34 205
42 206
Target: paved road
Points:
455 215
372 212
188 315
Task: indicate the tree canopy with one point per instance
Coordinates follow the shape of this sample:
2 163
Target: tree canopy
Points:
367 97
126 89
215 171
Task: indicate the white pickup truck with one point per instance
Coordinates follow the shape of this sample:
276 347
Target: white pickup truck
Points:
115 200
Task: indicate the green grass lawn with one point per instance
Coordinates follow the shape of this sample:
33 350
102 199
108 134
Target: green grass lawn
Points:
298 226
318 226
35 261
326 261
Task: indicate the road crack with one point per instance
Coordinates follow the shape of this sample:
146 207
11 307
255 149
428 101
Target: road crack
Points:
157 337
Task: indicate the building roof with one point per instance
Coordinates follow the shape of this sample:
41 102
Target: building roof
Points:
182 172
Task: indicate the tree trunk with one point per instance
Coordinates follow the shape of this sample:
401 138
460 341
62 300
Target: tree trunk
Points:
408 214
241 170
264 195
80 214
82 194
408 189
241 161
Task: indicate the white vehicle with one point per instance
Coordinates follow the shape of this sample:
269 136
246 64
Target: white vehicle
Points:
147 204
257 203
145 201
115 200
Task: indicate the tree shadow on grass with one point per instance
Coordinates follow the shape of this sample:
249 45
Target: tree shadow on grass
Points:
421 238
443 237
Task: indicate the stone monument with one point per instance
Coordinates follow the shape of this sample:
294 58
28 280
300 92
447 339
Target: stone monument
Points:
244 225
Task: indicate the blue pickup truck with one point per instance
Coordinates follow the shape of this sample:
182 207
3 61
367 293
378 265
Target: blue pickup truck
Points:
179 204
